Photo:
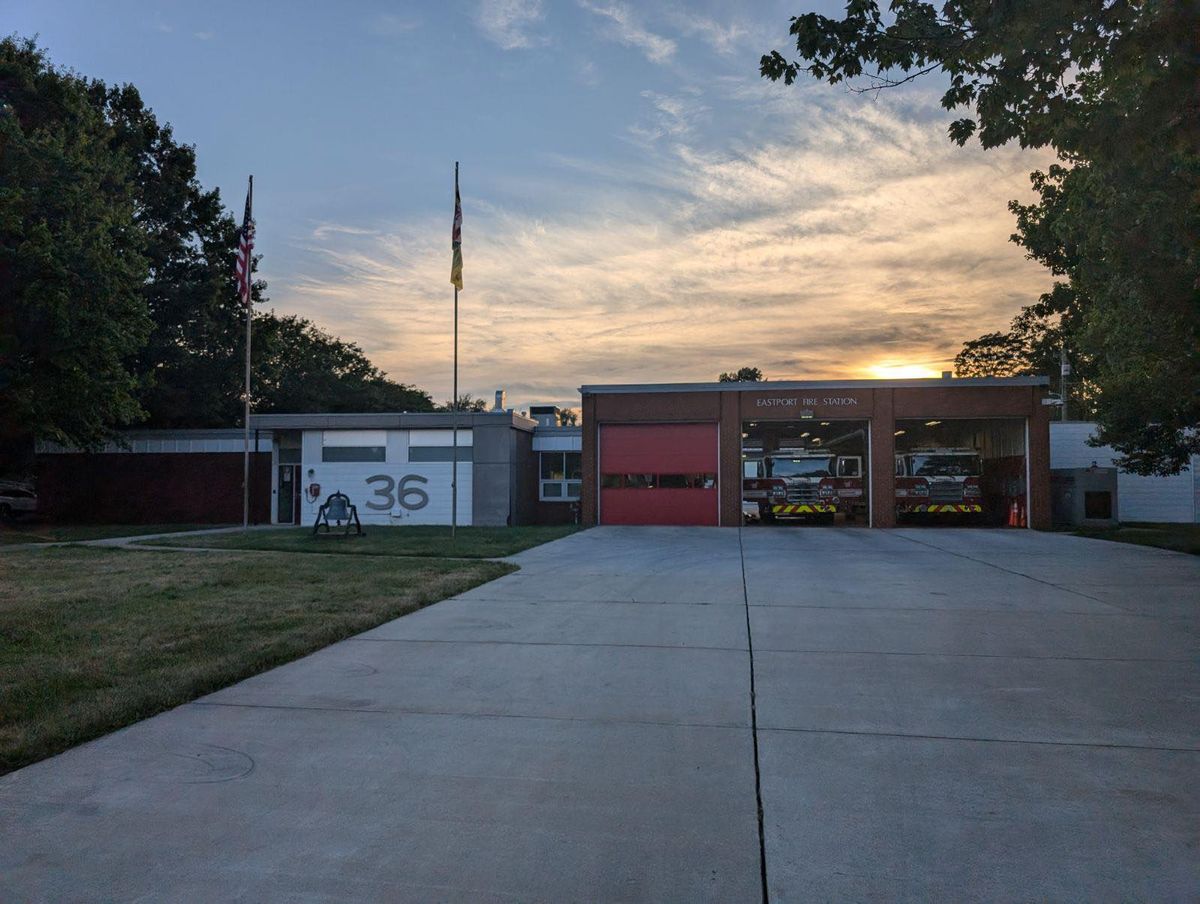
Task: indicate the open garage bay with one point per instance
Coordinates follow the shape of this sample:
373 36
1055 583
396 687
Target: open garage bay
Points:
922 714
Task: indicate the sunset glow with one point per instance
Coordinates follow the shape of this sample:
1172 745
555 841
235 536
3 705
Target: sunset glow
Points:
902 372
638 204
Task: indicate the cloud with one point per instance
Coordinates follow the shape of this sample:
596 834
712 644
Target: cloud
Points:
724 39
848 236
623 29
674 116
204 35
388 25
506 22
587 73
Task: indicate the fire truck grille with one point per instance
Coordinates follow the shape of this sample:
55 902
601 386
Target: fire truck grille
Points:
802 493
946 492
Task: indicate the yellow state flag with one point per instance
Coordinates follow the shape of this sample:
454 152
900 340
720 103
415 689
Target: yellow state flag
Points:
456 237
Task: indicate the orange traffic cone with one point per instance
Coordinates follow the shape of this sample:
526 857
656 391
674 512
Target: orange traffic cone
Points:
1013 514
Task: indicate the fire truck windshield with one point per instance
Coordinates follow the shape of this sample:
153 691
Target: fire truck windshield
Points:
963 465
801 467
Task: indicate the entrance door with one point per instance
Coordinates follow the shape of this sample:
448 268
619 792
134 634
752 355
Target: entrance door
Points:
289 494
658 474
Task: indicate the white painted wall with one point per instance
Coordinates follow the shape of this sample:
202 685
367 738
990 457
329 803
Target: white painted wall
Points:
377 487
1173 499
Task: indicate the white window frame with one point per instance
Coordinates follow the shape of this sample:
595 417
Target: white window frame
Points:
561 484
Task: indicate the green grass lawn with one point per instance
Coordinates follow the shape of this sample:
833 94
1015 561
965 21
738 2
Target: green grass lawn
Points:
94 639
22 532
1179 537
409 540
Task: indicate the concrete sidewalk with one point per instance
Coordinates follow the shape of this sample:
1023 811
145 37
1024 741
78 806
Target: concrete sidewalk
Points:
967 715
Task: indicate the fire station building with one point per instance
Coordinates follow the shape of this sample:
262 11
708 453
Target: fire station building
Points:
869 452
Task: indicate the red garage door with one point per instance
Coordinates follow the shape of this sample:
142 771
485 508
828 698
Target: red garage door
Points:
658 474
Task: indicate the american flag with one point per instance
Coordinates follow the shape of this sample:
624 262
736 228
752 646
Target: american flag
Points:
245 252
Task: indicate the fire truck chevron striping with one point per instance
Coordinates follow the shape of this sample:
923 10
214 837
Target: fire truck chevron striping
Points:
815 508
975 507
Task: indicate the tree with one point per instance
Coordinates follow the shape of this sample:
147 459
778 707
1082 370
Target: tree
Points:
568 417
1031 347
466 402
298 367
72 261
192 357
742 375
1113 88
117 298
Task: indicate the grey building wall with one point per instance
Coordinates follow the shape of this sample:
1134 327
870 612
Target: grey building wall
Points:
492 486
1171 499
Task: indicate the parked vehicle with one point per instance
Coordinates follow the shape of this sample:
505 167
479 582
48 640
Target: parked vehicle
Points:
16 499
939 481
800 483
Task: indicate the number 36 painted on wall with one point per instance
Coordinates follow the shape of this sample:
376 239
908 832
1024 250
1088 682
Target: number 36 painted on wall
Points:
410 497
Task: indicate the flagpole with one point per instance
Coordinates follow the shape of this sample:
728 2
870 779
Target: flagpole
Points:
454 407
246 413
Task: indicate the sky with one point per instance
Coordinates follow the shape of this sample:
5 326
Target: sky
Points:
639 205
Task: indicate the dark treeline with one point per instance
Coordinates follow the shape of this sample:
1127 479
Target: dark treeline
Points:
118 305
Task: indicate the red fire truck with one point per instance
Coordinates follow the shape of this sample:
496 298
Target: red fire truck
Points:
800 483
939 481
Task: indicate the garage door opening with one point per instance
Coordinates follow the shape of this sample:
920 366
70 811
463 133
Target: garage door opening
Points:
659 474
806 472
968 472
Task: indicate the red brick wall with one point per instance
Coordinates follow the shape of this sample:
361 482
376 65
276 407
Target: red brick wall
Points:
882 406
152 488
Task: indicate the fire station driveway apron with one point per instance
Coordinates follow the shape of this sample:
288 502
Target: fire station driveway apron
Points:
542 739
955 715
975 715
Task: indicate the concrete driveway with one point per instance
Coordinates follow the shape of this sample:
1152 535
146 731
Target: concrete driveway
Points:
922 715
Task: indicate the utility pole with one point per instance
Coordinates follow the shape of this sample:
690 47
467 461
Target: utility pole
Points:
1064 372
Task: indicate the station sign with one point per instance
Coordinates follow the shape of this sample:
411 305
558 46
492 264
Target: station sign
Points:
806 403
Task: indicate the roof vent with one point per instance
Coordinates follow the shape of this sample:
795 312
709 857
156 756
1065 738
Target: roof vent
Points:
947 375
499 406
545 415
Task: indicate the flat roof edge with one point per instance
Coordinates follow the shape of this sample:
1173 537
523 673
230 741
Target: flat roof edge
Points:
388 420
926 383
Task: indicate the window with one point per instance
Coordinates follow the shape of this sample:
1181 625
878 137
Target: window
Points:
561 476
697 481
1097 504
849 467
439 453
354 445
354 453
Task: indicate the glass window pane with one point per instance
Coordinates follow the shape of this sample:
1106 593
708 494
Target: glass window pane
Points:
573 489
610 481
574 465
552 465
673 481
552 489
641 481
353 453
439 453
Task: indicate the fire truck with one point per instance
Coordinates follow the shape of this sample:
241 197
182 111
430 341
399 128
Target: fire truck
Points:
800 483
939 481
